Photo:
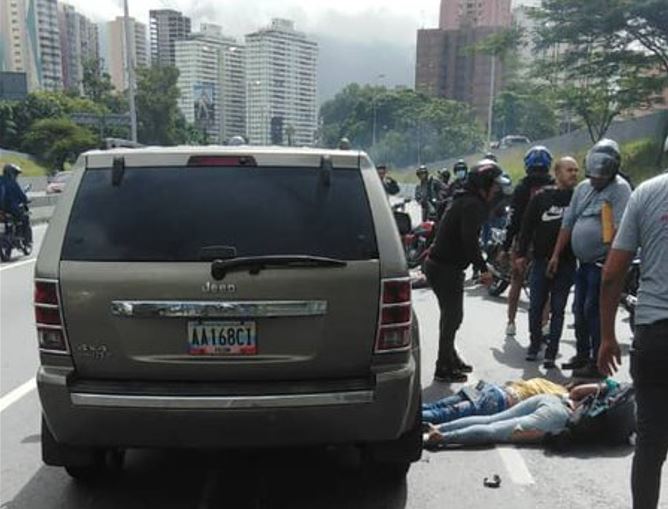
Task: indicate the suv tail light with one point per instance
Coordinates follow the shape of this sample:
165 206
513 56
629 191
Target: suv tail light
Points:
49 317
395 316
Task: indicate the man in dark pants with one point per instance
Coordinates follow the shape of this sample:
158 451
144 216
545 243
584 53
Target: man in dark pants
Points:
644 226
456 247
540 229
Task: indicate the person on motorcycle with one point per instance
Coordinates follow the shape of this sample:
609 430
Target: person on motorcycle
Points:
456 247
540 229
14 201
427 193
589 226
390 185
537 163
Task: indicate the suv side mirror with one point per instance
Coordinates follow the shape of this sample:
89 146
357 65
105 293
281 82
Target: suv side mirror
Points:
403 222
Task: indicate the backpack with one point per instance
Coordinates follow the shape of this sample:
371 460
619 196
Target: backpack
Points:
600 419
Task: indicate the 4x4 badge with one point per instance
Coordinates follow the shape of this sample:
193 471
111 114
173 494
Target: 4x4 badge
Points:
210 287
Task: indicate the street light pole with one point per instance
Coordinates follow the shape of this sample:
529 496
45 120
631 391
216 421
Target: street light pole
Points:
490 111
130 72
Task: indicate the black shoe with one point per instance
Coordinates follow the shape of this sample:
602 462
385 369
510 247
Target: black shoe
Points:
460 365
589 371
549 364
531 356
449 376
575 363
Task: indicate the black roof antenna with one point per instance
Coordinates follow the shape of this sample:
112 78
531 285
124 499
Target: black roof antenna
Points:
117 171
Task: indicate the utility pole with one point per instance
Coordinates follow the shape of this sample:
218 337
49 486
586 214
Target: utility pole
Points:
375 112
130 72
490 111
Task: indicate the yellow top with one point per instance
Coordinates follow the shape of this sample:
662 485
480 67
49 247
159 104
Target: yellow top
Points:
523 389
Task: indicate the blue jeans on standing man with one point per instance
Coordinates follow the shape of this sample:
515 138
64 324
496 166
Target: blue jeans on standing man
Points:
587 316
557 290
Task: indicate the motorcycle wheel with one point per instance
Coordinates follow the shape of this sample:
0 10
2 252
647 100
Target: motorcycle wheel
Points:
497 287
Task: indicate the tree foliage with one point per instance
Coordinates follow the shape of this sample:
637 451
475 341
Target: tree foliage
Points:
608 63
410 126
525 108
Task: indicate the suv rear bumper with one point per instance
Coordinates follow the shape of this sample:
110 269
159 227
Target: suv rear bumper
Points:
382 413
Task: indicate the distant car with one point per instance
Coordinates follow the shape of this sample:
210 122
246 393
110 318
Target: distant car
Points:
58 183
513 140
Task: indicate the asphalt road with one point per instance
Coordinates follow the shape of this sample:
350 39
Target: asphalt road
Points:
531 476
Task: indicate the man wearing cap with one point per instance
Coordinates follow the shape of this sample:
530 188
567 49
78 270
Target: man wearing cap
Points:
589 225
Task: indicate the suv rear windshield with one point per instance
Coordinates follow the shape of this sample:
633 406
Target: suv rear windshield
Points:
170 214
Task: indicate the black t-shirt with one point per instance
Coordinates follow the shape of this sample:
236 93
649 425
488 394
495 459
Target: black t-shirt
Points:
457 236
542 222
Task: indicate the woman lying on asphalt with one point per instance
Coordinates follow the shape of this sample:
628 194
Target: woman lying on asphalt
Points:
527 421
489 399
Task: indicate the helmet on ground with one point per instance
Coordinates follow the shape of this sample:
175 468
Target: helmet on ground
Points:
11 170
603 160
537 159
484 174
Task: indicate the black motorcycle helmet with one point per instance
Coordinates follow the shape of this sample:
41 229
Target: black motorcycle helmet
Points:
444 175
11 170
460 169
603 160
485 174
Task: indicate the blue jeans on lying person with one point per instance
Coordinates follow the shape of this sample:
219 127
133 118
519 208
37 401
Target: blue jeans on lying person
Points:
544 413
490 399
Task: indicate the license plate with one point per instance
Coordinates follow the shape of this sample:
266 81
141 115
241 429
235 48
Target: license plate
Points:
222 338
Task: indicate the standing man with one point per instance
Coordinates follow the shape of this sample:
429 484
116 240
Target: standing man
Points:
589 225
427 193
537 163
539 232
390 185
456 247
645 227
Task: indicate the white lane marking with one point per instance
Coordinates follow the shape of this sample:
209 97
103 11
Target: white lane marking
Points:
17 394
515 465
18 264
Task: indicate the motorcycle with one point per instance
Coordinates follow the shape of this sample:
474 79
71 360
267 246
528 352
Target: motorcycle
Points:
13 235
418 242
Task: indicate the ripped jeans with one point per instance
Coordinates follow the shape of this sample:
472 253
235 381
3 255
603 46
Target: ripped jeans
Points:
545 413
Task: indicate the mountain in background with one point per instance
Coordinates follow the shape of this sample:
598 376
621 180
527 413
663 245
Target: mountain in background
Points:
342 62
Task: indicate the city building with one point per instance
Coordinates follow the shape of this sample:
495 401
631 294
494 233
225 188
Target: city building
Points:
212 83
13 86
446 65
281 77
79 42
478 13
30 42
113 49
166 26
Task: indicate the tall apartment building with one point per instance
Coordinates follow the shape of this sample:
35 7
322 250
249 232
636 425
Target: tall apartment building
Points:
480 13
79 41
445 65
281 75
166 26
212 83
113 49
30 41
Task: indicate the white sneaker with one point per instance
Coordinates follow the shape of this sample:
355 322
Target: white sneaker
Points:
510 329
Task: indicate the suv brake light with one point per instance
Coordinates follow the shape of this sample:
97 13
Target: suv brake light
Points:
395 317
49 317
222 161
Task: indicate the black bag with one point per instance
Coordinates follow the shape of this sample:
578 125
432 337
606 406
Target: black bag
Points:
600 419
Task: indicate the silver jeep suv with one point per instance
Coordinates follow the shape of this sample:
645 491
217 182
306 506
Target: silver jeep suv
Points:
199 296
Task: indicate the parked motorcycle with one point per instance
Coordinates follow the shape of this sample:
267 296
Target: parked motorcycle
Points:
13 236
418 242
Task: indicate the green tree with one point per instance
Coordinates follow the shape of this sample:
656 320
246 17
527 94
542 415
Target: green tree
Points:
157 110
604 69
58 140
7 125
527 109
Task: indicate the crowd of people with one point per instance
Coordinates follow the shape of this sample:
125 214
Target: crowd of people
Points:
567 235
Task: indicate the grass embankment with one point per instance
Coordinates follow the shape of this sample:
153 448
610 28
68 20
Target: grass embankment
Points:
30 168
639 160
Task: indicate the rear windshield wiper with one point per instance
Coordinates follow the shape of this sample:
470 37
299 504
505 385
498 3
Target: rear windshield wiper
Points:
219 268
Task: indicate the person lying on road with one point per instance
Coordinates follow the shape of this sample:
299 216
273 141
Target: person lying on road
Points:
490 399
